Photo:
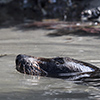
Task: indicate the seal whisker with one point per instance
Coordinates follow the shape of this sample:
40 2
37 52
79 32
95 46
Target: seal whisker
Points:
32 70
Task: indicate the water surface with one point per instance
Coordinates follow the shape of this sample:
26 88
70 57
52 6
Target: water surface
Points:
14 85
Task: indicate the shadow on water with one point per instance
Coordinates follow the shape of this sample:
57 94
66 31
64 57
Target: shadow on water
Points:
34 25
79 32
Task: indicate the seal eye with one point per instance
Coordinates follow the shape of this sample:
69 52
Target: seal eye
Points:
59 60
57 63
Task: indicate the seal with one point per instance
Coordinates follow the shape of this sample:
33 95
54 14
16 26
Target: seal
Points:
58 67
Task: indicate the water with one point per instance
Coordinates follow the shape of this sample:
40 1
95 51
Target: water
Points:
14 85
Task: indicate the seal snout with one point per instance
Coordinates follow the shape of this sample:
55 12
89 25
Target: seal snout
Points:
19 58
20 63
27 64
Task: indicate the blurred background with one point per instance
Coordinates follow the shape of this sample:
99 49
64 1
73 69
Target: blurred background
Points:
16 11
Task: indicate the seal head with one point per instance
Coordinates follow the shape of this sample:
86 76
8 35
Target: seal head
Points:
58 67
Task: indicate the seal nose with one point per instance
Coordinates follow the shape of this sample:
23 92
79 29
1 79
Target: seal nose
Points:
18 59
20 62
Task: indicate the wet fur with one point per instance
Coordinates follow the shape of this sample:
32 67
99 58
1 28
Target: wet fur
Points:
58 67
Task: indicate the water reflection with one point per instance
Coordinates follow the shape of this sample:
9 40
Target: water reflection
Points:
34 80
36 87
